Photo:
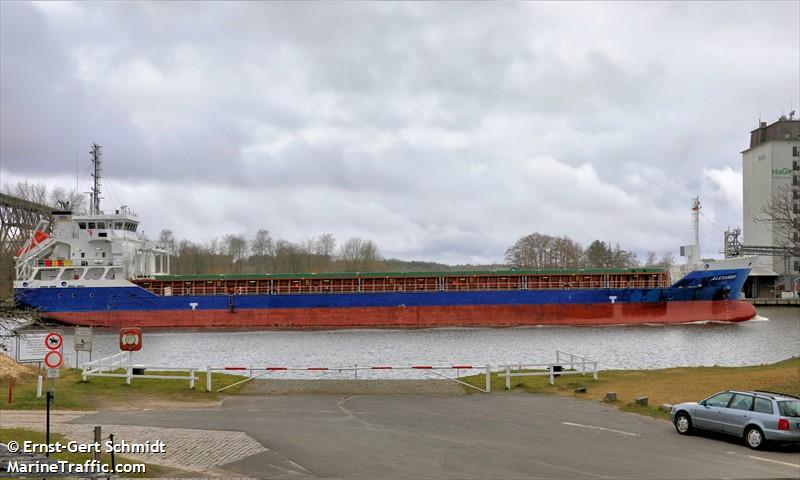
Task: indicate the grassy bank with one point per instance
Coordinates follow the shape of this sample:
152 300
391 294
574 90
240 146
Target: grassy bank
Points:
21 435
108 392
670 385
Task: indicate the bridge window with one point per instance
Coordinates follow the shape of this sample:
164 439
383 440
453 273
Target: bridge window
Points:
82 225
91 226
72 274
113 273
46 274
118 226
94 274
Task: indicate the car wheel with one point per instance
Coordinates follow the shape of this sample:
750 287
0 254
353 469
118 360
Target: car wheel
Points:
683 423
754 438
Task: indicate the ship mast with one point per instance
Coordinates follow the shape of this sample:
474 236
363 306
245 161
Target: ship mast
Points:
94 195
695 257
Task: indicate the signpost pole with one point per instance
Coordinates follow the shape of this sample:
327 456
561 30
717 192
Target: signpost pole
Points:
47 431
130 368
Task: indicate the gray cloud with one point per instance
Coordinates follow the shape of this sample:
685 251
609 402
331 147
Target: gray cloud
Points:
442 131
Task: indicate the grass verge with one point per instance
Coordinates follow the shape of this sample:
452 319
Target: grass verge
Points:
21 435
670 385
109 392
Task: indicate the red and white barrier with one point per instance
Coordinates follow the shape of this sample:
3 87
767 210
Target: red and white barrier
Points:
355 368
349 368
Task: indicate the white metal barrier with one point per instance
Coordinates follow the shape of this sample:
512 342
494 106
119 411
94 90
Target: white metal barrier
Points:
114 362
554 369
102 368
577 365
123 360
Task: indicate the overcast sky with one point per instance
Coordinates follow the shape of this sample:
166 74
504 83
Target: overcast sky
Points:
443 131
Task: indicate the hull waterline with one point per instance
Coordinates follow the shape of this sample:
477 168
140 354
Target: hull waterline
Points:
424 316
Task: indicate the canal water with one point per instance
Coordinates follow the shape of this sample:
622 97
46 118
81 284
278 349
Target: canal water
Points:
773 338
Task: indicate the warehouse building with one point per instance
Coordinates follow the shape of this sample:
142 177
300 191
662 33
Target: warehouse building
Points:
770 167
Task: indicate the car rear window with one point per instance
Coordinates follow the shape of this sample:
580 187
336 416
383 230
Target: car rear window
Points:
763 406
789 408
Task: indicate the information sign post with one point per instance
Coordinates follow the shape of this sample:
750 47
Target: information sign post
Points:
53 359
83 342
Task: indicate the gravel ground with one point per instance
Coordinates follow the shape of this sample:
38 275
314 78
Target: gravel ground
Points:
352 387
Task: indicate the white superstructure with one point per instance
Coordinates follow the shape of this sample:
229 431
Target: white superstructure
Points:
98 249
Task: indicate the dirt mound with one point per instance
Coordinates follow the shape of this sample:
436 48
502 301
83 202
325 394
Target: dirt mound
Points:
9 368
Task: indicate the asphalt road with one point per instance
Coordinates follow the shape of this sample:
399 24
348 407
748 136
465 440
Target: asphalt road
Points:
509 435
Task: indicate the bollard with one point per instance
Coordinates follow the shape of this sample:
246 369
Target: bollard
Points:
666 407
641 401
552 377
488 379
508 378
50 398
610 397
580 390
208 378
129 376
594 374
98 438
191 379
39 387
113 461
11 382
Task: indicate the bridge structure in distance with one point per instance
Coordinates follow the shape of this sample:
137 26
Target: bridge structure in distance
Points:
18 219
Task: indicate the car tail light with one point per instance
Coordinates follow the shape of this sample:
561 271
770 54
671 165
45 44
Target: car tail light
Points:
783 424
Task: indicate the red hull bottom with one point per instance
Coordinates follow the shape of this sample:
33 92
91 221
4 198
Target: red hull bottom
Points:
422 317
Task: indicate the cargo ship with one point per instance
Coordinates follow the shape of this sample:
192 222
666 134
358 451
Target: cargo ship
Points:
98 269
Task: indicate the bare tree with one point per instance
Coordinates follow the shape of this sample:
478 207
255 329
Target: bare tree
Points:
72 200
288 257
167 238
600 254
235 249
33 192
262 245
544 251
325 246
358 254
782 214
667 261
262 249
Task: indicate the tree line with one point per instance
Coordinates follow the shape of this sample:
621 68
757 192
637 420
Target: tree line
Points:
541 251
234 253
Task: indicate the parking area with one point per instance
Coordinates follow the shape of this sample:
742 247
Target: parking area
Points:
510 435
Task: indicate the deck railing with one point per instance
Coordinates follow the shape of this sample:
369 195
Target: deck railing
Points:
177 288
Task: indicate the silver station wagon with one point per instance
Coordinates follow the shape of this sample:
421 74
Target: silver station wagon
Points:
756 416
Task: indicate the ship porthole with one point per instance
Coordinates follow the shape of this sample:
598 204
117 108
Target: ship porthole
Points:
24 284
72 295
60 296
91 295
63 284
